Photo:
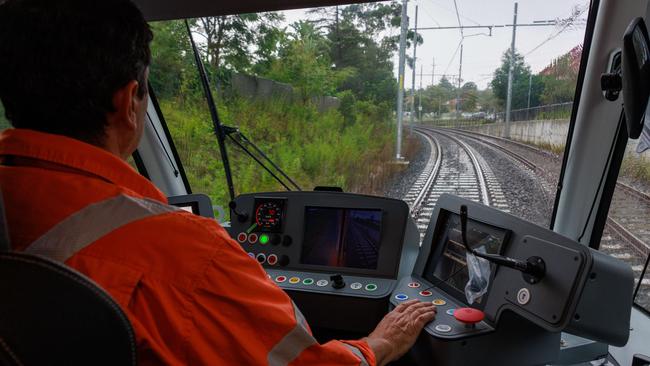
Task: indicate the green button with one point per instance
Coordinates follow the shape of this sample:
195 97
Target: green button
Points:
371 287
264 239
307 281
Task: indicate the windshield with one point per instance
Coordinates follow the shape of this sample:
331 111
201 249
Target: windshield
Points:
317 91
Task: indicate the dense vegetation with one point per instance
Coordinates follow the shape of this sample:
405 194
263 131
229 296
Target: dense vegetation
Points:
3 120
341 52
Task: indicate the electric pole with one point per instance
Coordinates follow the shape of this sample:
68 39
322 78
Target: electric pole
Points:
420 96
530 87
460 73
415 48
510 75
400 87
433 71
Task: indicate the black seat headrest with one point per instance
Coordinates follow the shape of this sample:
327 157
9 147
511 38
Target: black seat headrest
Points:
53 315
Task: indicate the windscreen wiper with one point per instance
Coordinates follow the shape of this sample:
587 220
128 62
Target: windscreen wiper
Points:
216 122
241 140
222 131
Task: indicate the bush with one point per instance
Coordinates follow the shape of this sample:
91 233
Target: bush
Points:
312 148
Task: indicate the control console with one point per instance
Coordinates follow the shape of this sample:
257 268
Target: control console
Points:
505 289
338 255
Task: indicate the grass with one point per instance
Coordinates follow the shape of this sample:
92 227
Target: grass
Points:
314 149
636 169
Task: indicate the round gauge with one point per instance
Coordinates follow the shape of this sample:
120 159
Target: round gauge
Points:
268 216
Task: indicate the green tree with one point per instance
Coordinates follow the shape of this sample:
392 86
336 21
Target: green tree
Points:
228 38
521 74
172 58
469 96
560 79
358 38
304 62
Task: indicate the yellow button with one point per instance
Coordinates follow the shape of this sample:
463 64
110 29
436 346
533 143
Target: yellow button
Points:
294 280
439 302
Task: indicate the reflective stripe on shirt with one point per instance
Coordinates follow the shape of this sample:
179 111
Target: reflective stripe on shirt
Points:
93 222
357 353
293 343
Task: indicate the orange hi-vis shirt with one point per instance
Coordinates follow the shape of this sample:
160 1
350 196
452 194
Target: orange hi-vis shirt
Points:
191 293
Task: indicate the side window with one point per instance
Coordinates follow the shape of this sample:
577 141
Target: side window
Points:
626 234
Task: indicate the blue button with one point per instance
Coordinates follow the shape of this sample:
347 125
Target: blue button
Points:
401 297
450 312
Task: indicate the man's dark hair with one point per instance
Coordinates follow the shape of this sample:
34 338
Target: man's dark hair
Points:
61 61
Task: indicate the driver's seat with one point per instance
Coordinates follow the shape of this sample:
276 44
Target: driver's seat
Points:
53 315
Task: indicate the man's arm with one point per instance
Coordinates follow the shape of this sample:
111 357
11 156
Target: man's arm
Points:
242 317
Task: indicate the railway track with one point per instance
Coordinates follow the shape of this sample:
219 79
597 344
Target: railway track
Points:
627 233
453 167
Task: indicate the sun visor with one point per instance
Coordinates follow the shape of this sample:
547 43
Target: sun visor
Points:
177 9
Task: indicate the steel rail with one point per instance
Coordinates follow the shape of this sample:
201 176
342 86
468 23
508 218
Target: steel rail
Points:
432 175
483 188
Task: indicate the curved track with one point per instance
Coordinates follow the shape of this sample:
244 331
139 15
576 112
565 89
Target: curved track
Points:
453 167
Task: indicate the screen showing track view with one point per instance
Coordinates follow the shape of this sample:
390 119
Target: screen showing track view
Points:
450 269
339 237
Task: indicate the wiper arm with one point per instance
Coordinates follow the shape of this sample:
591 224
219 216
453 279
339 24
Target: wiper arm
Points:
216 122
241 139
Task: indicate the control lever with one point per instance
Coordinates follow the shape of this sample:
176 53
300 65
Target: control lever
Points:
242 217
533 268
337 281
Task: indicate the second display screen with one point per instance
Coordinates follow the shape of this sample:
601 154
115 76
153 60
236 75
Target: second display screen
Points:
340 237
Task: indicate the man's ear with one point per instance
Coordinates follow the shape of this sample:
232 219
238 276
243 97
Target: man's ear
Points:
125 101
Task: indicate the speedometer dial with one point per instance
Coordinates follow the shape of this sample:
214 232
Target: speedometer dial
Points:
268 216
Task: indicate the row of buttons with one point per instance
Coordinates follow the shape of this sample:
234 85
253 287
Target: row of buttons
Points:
442 328
264 239
271 259
322 283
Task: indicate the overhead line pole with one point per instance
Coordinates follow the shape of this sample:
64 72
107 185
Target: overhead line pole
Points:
400 87
510 75
415 48
433 71
420 97
460 74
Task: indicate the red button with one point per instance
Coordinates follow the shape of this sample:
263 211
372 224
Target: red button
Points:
272 259
426 293
280 279
468 315
242 237
252 238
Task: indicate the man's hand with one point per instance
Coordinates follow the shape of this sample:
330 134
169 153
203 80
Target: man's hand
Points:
399 329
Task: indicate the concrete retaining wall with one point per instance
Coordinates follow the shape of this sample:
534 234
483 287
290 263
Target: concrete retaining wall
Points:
257 88
543 132
547 133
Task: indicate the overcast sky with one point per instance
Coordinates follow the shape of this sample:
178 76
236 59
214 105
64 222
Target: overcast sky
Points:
482 54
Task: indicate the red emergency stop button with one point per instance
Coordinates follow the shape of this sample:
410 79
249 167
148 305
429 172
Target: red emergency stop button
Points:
469 316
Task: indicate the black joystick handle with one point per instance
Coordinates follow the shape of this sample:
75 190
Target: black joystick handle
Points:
242 217
337 281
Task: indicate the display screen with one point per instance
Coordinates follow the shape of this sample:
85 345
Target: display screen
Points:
449 268
340 237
